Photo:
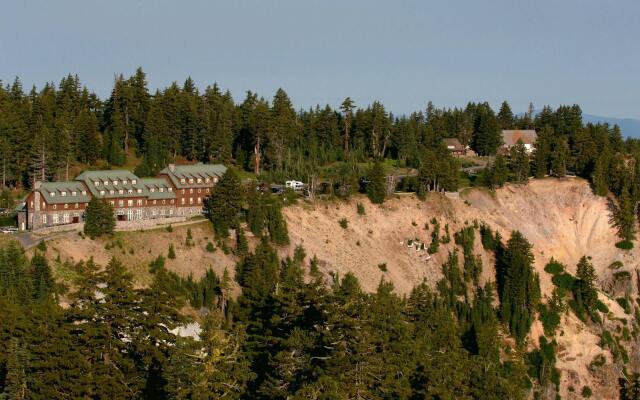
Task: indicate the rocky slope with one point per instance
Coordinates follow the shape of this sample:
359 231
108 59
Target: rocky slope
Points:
561 218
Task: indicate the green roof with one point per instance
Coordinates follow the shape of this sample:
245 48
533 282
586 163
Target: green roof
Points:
194 171
63 192
157 188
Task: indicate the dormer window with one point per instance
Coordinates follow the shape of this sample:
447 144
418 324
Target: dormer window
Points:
74 193
115 183
161 190
207 180
112 192
215 180
130 191
199 180
63 193
182 180
84 192
52 194
96 183
190 180
134 181
139 190
102 193
121 191
124 181
106 183
170 189
153 190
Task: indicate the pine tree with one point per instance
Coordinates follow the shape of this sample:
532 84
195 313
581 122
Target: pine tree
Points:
15 381
225 203
624 217
600 174
242 247
560 158
505 116
520 163
542 152
99 218
518 285
377 185
585 290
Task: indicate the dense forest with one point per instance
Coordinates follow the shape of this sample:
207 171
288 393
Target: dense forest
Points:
292 332
44 132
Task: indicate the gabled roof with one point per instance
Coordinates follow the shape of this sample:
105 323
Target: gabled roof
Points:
114 183
453 144
63 192
194 171
511 137
157 188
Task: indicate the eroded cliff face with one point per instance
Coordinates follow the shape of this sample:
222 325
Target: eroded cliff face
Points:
561 218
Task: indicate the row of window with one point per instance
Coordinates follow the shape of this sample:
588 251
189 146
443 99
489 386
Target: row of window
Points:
139 202
198 180
63 193
115 182
130 203
130 191
60 218
199 190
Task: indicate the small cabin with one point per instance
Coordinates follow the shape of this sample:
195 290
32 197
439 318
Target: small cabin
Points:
455 147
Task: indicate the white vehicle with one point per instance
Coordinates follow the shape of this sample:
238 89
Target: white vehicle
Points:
295 185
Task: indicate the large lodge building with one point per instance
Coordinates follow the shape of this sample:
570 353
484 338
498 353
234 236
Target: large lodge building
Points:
178 191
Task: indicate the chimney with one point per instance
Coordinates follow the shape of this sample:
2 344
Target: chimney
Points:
37 184
172 167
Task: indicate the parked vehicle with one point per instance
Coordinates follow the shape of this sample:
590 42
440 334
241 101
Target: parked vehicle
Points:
295 185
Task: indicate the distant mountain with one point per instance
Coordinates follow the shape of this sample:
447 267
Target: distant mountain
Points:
629 127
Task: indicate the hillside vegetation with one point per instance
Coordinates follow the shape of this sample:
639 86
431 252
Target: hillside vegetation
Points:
562 219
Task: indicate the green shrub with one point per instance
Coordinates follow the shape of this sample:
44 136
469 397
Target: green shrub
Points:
600 306
624 303
171 254
597 362
344 223
42 246
554 267
564 281
625 245
169 228
586 392
189 240
383 267
616 265
210 247
550 320
360 208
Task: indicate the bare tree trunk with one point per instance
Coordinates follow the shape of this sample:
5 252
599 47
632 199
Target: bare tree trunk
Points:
385 143
346 137
256 153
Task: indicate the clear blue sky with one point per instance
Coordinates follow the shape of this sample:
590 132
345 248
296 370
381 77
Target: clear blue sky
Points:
402 53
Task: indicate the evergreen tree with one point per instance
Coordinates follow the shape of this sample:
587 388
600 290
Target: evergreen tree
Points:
518 285
600 174
585 291
98 218
505 116
520 163
542 152
624 217
377 185
225 203
559 158
486 134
